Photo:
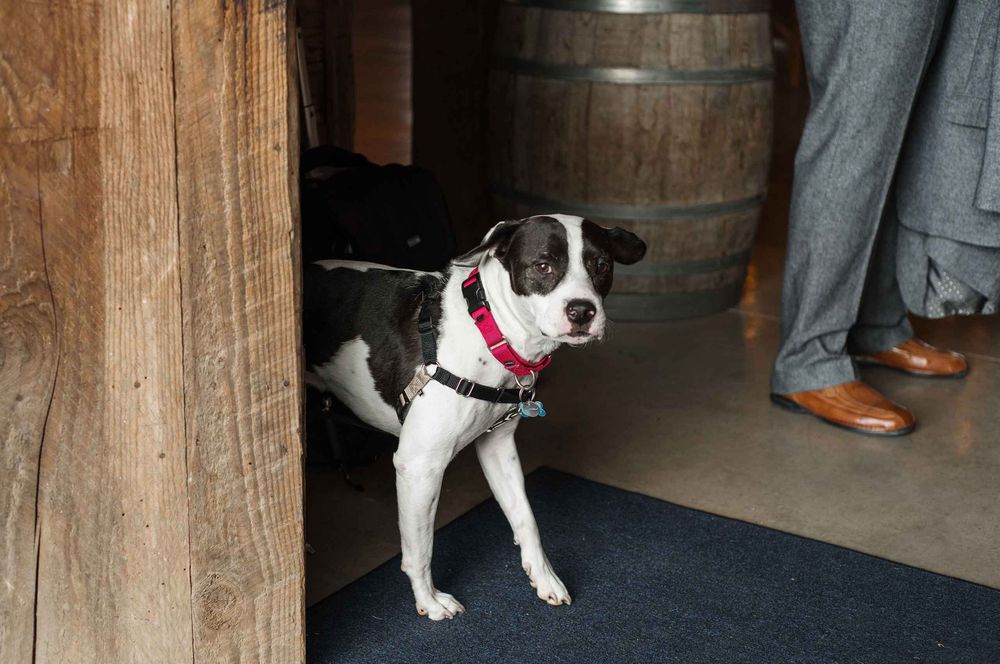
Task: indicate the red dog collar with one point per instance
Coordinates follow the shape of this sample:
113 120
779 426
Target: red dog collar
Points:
479 309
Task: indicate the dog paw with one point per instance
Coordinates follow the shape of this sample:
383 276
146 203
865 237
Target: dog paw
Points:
440 606
547 585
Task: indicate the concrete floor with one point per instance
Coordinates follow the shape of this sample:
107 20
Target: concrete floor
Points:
680 411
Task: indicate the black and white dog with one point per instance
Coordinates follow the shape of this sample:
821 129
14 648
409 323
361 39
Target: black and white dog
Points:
444 359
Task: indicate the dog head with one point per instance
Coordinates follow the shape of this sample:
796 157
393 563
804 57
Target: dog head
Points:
560 268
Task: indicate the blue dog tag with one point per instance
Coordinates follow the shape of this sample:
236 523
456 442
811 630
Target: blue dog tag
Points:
531 409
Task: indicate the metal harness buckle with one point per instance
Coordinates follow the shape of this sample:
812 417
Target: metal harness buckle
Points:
462 385
416 386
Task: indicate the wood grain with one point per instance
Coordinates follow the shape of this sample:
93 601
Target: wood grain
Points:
339 103
327 36
27 372
666 41
237 159
148 299
113 584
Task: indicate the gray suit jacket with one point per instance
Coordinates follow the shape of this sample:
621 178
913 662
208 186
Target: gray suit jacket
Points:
949 172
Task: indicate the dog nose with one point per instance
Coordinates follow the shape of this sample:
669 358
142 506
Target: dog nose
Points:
580 312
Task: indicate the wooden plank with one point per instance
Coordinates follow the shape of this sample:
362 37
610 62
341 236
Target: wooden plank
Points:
27 326
338 73
327 36
452 45
237 166
27 372
113 583
312 19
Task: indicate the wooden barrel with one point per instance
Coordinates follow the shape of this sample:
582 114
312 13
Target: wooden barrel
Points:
652 115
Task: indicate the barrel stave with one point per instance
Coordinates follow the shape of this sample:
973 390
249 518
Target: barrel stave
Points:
658 123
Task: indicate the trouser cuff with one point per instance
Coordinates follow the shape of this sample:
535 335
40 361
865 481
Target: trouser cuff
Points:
816 376
870 339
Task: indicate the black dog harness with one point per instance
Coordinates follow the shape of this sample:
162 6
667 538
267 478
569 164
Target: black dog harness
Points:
523 395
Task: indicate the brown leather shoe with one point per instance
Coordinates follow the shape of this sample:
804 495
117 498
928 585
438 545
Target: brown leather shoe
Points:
853 406
917 358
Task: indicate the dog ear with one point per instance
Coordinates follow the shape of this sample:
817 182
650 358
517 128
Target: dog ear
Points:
497 240
626 247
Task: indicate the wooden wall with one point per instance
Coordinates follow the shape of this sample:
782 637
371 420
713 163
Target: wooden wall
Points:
452 51
150 399
327 37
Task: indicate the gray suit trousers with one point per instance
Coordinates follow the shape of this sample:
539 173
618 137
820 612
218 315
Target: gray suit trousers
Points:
865 60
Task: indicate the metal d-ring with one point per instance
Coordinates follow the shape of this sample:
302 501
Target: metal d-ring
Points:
529 388
530 385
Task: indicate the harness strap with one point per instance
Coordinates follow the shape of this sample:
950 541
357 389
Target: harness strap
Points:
425 327
466 388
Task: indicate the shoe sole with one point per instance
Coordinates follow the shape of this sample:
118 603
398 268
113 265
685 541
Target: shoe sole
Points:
793 407
915 374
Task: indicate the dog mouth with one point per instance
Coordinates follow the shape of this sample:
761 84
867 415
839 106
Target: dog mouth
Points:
579 338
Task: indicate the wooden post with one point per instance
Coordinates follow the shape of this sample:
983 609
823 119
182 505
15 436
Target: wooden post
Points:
237 160
150 389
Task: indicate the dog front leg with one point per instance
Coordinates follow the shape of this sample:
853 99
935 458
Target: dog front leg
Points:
418 486
502 467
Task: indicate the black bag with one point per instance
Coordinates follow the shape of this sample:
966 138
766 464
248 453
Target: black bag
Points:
335 436
353 209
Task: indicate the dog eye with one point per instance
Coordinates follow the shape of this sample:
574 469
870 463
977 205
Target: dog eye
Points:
602 267
544 268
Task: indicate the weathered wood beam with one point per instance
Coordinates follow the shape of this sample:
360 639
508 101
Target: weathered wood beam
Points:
237 145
